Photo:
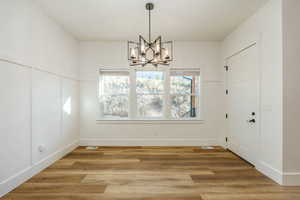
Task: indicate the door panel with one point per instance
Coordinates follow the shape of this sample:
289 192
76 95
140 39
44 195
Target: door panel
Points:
243 101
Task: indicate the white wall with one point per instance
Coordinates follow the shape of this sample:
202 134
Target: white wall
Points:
38 79
265 28
205 55
291 100
27 36
15 126
38 74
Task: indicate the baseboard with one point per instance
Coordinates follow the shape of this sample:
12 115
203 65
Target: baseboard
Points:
291 179
16 180
270 172
148 142
222 142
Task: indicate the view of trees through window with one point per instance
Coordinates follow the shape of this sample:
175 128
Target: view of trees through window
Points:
183 96
114 90
149 89
151 98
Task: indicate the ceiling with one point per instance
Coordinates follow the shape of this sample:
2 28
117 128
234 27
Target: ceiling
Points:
173 19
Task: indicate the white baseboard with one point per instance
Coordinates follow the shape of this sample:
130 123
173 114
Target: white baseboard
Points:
148 142
21 177
291 179
270 172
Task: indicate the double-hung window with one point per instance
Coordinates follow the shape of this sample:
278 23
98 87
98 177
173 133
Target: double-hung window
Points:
150 94
114 94
140 94
184 92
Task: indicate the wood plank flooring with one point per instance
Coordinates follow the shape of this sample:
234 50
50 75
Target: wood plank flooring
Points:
151 173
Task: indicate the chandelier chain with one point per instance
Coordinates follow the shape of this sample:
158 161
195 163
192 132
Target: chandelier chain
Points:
149 25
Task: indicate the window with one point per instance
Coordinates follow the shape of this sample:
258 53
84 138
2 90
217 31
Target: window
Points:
114 94
149 91
172 94
184 94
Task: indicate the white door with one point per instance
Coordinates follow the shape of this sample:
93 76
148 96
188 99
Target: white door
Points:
243 100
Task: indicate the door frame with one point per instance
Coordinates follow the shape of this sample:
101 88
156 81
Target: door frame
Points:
257 43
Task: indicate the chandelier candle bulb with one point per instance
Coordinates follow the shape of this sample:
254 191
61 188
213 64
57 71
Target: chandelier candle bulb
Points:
165 53
133 54
143 52
157 49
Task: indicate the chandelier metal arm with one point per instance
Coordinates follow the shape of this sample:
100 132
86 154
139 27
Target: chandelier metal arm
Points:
148 52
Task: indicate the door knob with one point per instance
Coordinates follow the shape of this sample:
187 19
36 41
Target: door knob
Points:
251 121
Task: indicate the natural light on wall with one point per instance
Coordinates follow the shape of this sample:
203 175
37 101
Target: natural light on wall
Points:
67 107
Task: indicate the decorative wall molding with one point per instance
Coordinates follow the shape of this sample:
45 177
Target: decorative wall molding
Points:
17 179
282 178
31 66
291 179
270 171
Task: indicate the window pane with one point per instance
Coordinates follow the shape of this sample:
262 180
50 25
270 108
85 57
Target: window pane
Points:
115 105
183 106
150 105
149 82
184 84
115 84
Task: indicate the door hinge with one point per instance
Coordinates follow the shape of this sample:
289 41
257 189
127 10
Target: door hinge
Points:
226 139
226 91
226 116
226 68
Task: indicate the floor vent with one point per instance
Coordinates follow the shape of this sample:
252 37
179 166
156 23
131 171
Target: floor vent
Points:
91 148
207 147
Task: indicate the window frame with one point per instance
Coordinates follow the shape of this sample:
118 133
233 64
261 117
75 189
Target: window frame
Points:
160 94
167 95
100 112
197 95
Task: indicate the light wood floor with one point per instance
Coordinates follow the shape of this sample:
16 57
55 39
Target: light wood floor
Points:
148 173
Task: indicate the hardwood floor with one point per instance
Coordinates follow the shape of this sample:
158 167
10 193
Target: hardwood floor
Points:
148 173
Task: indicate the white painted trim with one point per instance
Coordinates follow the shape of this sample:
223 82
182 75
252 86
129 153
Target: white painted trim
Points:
19 178
30 66
241 50
148 142
282 178
270 171
148 121
291 179
31 117
204 82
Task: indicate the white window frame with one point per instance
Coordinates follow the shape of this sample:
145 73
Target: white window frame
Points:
198 96
163 93
166 118
121 94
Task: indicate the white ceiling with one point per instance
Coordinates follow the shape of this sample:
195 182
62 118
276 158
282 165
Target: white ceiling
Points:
173 19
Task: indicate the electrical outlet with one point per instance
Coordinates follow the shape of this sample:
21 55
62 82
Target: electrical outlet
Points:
42 148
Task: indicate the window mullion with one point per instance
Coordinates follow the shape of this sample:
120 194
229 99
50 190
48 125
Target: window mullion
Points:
167 99
100 92
132 95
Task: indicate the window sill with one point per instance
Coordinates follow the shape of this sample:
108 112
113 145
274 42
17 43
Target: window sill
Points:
149 121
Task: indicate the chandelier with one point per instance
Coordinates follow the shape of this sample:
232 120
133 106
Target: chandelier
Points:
146 52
